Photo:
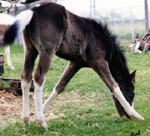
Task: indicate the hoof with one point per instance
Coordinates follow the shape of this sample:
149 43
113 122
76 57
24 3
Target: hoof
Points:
11 67
136 115
42 123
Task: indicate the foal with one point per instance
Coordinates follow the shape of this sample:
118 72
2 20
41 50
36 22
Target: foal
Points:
5 22
50 29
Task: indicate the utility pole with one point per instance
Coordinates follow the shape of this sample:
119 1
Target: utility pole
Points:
146 16
131 23
92 8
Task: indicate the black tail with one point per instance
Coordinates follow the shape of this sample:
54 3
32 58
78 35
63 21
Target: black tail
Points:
11 34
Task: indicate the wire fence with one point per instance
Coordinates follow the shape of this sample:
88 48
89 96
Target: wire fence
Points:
124 22
128 22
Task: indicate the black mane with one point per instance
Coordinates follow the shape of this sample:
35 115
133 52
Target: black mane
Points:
114 53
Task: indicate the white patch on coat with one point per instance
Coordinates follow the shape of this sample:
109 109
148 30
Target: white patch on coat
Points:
25 90
49 100
130 111
24 19
38 104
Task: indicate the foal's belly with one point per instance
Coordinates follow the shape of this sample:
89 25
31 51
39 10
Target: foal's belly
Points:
70 52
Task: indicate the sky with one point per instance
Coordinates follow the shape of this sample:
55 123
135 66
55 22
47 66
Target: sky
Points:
104 7
81 6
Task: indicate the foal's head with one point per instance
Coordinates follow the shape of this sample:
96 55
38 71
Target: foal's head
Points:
127 88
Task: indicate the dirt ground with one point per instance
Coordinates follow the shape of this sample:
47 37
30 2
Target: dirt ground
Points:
11 105
11 108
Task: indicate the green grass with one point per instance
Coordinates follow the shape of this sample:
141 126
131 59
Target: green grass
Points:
86 103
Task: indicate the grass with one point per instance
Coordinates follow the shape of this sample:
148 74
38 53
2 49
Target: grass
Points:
86 104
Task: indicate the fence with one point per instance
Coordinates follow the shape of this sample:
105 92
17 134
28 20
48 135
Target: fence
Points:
128 22
124 22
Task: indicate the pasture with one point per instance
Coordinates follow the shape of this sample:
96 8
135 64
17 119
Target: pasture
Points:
85 108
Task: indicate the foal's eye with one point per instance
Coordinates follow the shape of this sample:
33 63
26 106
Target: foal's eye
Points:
131 88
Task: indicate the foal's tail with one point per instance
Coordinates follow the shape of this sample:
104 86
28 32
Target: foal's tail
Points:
22 20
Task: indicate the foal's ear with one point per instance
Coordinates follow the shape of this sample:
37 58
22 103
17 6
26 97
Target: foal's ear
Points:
132 76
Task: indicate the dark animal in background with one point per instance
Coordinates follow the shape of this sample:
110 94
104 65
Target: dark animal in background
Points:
140 45
145 43
50 29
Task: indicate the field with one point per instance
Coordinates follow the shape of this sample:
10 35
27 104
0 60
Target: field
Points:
85 108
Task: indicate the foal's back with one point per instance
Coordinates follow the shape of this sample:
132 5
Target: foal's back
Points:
55 29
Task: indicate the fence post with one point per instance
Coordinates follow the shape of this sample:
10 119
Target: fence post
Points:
131 24
146 16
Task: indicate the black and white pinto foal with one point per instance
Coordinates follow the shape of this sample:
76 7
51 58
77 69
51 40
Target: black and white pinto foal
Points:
5 22
50 29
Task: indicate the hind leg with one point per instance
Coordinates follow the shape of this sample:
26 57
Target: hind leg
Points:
26 77
69 72
102 68
39 80
7 52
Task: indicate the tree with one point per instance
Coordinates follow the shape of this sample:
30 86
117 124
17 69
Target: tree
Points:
146 16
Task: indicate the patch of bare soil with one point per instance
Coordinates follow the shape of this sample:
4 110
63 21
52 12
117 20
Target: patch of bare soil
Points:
11 106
